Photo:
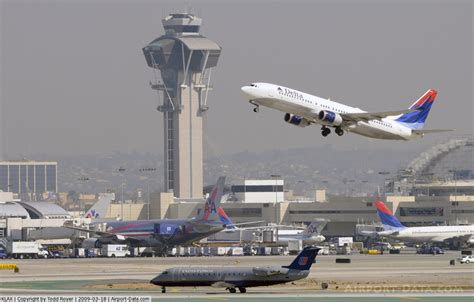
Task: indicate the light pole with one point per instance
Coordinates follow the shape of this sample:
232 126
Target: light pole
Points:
83 180
384 183
455 186
275 186
363 186
122 171
455 192
148 188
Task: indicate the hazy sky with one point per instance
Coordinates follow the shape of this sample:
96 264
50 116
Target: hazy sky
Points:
74 79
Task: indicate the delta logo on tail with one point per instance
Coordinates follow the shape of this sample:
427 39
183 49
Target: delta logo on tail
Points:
416 120
389 221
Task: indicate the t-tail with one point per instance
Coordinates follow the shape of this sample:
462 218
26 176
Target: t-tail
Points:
304 260
416 120
389 221
213 202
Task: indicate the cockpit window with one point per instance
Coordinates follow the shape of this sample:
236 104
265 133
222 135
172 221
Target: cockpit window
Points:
165 273
253 85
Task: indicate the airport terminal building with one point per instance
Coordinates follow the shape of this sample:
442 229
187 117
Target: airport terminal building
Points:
27 177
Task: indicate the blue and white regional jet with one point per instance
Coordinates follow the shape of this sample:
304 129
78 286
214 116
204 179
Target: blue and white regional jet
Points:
302 109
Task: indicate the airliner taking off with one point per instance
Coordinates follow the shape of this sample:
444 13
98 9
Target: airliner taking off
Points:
394 229
302 109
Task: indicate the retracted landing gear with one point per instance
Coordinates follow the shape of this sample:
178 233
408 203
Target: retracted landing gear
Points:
242 290
163 290
339 131
325 131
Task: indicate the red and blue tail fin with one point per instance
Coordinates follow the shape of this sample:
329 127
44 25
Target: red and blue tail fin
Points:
226 219
304 260
389 221
213 202
416 120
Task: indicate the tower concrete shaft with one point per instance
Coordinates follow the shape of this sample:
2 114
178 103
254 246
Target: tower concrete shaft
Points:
184 59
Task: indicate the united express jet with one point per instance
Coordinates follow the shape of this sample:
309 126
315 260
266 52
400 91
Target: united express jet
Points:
237 277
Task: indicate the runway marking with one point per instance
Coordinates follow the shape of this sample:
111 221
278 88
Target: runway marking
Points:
408 298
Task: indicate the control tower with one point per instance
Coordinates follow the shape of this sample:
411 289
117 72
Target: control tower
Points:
182 60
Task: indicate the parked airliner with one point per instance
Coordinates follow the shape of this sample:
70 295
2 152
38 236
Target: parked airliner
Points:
160 234
302 109
394 229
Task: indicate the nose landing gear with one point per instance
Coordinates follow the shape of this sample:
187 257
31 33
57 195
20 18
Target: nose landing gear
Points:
256 106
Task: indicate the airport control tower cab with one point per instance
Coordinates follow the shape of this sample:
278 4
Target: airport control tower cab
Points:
182 60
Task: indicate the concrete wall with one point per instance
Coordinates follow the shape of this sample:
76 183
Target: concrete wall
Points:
126 211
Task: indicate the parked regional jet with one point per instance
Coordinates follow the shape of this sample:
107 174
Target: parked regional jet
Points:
394 229
164 233
239 277
302 109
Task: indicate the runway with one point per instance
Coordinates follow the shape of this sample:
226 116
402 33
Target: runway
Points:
366 278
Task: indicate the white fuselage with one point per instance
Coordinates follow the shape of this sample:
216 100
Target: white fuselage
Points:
432 233
290 235
308 106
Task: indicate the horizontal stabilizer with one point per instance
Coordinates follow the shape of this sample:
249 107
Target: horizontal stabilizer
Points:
428 131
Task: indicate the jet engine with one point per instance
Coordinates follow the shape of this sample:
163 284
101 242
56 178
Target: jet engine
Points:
330 117
265 271
91 243
296 120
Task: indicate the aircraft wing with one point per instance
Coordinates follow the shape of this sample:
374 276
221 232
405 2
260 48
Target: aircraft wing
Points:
223 284
428 131
106 235
367 116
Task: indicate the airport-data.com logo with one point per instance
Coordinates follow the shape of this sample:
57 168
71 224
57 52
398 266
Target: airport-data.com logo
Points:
405 288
